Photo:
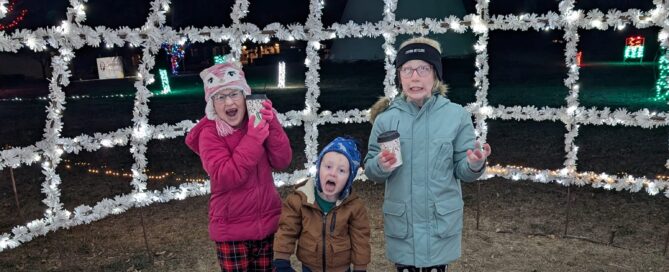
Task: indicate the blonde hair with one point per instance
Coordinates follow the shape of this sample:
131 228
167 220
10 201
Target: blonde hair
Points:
438 85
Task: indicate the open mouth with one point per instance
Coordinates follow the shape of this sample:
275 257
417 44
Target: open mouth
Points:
330 185
231 112
415 89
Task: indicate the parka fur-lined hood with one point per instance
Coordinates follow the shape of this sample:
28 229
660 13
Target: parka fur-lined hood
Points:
384 102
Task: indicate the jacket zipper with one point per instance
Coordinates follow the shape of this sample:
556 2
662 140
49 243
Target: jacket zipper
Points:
324 219
332 223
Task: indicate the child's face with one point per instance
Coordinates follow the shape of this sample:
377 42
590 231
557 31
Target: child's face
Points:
230 106
414 86
333 174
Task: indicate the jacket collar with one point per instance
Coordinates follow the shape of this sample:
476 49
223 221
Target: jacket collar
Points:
308 189
435 102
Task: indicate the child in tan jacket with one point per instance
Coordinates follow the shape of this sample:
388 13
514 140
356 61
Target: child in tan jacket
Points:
328 223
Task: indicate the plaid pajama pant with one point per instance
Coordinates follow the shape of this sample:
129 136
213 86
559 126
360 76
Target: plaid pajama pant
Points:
250 255
408 268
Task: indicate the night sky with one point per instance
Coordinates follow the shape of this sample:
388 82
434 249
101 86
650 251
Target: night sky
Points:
199 13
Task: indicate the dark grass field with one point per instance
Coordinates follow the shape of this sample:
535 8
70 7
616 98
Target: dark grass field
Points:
521 223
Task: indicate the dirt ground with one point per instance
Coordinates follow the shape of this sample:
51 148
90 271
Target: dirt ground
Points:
521 224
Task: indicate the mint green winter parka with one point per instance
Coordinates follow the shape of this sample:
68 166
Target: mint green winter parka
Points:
423 207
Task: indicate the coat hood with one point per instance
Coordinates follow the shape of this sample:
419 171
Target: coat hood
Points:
193 137
308 189
384 103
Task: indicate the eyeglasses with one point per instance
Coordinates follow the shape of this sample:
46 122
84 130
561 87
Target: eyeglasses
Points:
422 71
234 96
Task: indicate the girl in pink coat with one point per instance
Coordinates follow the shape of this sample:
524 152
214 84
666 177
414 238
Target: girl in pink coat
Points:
244 207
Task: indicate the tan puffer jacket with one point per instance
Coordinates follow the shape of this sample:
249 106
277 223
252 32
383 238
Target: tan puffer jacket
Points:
334 240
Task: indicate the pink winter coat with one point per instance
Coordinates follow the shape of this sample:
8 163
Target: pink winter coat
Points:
244 203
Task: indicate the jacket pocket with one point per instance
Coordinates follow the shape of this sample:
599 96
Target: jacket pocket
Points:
395 219
308 251
442 161
341 252
448 216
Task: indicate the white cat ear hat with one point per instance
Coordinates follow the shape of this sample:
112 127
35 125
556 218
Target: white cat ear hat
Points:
222 76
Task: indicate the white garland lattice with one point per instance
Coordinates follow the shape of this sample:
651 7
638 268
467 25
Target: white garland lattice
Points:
71 35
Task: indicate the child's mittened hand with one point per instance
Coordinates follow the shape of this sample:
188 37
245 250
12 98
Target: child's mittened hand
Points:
267 111
259 132
386 161
282 265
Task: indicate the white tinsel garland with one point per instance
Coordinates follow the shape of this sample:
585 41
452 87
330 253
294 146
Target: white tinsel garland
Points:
3 8
389 35
71 35
312 78
481 75
571 17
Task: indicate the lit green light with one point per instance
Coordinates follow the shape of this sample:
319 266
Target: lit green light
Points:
219 59
165 81
662 83
633 52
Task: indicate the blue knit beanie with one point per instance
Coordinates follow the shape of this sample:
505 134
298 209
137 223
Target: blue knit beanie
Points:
347 147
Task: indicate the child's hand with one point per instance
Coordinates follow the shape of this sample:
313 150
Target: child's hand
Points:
259 132
386 161
267 112
477 157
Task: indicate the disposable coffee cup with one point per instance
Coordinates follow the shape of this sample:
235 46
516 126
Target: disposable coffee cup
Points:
390 141
254 105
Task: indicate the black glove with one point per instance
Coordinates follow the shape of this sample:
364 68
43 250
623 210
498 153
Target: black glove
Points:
282 265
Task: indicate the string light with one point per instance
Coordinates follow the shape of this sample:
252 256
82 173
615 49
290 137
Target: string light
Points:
16 21
165 81
74 97
176 53
218 59
634 47
282 75
104 171
662 83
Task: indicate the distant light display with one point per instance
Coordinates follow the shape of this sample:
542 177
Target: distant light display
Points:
634 47
176 53
662 83
219 59
165 81
282 75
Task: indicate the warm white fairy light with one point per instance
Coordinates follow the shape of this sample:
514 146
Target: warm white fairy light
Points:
663 35
478 25
73 36
572 16
597 24
282 75
65 27
80 8
30 42
106 143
